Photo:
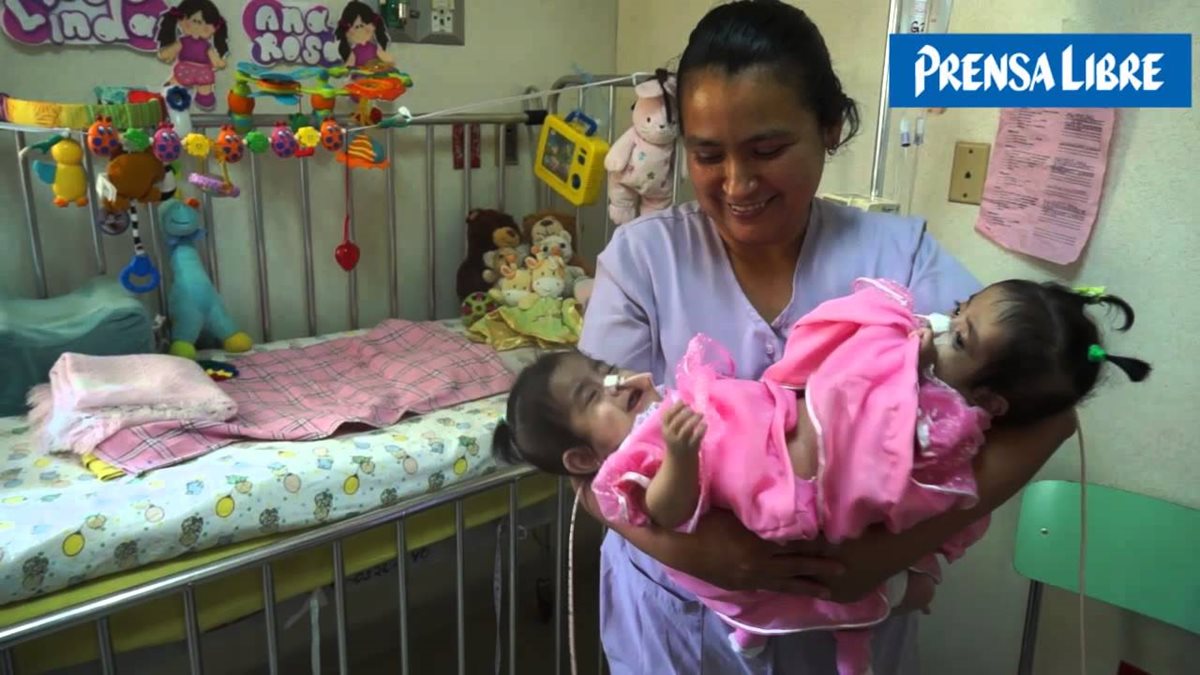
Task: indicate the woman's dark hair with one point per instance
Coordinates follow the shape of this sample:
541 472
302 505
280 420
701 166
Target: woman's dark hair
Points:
535 428
772 34
359 10
1053 358
208 11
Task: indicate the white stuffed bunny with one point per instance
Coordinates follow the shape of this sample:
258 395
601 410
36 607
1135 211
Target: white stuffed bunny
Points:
640 162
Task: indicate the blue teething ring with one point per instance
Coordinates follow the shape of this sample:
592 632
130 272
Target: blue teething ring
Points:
140 266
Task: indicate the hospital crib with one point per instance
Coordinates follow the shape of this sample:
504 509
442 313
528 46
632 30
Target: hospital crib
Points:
502 496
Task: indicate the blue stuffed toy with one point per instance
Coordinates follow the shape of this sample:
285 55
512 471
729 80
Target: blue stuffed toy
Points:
194 304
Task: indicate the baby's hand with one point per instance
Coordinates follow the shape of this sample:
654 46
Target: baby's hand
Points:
683 429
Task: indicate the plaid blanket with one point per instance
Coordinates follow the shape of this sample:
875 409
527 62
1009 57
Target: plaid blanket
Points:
307 393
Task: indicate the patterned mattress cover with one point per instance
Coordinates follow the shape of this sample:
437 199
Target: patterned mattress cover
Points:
60 525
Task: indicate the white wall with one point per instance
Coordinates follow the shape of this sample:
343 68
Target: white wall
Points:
1145 239
536 50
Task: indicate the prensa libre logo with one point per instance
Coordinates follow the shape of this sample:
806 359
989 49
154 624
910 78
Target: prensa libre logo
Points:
1033 70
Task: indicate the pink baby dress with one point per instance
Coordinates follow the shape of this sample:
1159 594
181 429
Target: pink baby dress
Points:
894 448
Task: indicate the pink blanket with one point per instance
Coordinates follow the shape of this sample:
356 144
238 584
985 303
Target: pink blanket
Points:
398 367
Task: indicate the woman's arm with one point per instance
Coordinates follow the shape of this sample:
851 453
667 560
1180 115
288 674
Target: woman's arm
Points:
722 552
1006 464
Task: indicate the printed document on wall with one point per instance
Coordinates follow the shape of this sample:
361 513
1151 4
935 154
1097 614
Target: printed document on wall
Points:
1044 180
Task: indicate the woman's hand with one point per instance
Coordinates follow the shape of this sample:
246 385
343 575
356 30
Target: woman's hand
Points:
723 553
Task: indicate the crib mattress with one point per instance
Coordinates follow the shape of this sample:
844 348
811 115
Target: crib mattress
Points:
60 526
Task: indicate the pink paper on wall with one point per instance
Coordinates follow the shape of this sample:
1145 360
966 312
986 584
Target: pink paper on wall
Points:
1045 179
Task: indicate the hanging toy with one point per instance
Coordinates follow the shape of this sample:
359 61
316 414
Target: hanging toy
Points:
347 253
241 107
308 138
283 141
333 135
363 153
65 174
198 146
257 142
140 275
102 139
167 145
179 105
230 147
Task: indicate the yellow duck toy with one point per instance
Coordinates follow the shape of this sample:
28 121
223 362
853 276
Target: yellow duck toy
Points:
65 174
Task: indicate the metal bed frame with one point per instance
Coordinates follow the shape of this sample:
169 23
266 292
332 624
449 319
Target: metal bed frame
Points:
185 583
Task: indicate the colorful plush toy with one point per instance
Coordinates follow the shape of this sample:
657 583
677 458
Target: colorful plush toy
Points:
477 306
547 278
65 174
537 226
195 306
487 229
558 246
515 288
640 163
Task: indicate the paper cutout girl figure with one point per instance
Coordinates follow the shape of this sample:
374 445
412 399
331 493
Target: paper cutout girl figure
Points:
362 37
194 37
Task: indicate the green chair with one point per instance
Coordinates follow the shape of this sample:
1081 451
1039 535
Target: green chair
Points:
1142 553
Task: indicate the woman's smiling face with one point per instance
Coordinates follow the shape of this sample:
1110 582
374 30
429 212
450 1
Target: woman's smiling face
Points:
755 154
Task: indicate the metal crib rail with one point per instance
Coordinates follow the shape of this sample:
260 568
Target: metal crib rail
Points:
262 296
100 609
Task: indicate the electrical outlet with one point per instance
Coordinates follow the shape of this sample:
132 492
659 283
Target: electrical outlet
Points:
968 172
441 21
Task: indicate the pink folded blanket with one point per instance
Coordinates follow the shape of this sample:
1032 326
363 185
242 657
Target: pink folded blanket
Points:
90 398
307 393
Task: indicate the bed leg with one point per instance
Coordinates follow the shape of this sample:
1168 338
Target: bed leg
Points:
339 597
402 599
512 575
268 585
104 638
192 625
459 564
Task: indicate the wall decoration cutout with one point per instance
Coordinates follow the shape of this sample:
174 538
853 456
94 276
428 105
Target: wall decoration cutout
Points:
362 37
65 23
194 38
286 32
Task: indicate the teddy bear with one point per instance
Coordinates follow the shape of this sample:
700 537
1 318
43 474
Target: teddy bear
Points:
487 230
558 246
536 226
492 260
640 163
514 289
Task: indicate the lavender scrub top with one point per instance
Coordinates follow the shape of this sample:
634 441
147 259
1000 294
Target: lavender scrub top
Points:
662 279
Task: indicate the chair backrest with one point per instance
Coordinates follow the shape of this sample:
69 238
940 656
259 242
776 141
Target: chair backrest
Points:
1143 554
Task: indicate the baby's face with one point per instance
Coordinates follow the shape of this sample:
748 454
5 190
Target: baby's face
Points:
975 337
602 418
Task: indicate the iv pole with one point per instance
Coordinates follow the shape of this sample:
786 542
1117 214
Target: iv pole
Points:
879 160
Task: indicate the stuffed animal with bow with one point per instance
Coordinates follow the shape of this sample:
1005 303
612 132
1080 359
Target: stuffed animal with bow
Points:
640 164
195 306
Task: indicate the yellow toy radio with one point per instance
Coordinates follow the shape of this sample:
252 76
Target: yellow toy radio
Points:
570 158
